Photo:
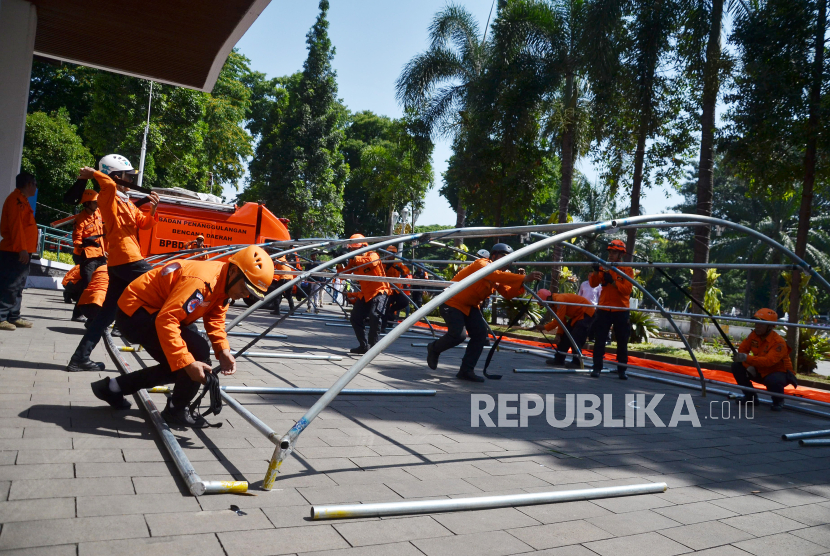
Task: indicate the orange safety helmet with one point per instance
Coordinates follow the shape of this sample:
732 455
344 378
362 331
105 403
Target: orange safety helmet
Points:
357 245
257 267
617 245
88 196
200 236
392 249
766 314
544 294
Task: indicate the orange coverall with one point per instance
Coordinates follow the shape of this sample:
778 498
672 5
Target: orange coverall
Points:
17 224
569 314
88 225
122 220
507 284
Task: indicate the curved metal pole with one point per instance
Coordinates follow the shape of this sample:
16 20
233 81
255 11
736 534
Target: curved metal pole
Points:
288 441
325 281
576 351
663 311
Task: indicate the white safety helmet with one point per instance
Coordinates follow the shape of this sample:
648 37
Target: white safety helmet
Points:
483 253
115 163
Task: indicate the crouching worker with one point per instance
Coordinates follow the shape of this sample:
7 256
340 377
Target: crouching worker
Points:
159 310
764 357
462 311
578 320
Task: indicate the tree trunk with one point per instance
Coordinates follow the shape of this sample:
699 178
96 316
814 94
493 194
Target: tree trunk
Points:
460 217
805 211
705 181
567 161
637 181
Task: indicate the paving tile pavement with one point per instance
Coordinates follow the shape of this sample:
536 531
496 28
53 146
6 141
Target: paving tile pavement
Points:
77 478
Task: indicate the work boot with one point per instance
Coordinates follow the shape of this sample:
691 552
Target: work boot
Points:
182 417
595 373
432 357
115 332
469 376
573 364
76 366
777 404
359 350
20 323
101 389
79 318
6 325
622 375
276 312
66 297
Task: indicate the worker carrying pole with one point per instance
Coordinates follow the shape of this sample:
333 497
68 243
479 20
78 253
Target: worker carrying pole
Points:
125 263
462 311
159 310
370 301
764 357
616 292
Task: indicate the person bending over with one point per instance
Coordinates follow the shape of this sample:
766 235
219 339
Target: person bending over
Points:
159 311
577 319
616 292
462 311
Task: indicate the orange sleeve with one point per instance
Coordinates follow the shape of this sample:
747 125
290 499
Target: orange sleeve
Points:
143 219
623 286
509 284
214 321
170 317
561 312
776 353
77 235
595 279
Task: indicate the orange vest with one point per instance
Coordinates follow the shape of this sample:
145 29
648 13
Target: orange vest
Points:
88 225
122 220
182 292
96 291
17 224
368 290
282 267
507 284
399 270
768 354
569 314
615 294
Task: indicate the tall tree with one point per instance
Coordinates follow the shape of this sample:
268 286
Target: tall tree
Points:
438 83
301 171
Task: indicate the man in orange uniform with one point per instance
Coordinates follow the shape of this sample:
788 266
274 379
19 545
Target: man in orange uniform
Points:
159 310
577 319
19 231
282 264
764 357
397 299
371 299
92 298
462 311
71 291
88 237
616 292
122 220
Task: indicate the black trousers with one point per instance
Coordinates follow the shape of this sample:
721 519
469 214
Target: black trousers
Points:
141 329
457 322
396 303
286 294
120 277
374 309
775 382
88 266
13 275
579 331
622 330
89 310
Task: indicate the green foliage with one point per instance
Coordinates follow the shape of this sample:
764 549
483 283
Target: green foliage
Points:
513 307
54 153
389 162
299 168
711 299
643 327
813 347
809 295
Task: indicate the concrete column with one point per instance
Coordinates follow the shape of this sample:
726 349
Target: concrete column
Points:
18 23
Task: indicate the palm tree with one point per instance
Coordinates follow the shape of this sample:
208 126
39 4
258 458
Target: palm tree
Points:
438 83
568 45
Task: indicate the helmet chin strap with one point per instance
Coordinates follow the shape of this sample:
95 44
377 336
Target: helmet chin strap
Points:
232 281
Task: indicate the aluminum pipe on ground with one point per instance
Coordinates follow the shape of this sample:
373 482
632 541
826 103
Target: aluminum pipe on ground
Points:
804 435
481 503
265 355
815 442
268 390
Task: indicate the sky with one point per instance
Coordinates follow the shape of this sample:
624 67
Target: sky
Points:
374 39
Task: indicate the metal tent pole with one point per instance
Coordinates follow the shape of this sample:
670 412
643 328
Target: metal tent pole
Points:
265 355
481 503
803 435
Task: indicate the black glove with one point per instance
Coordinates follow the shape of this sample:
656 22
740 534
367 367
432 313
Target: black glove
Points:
607 279
90 242
595 267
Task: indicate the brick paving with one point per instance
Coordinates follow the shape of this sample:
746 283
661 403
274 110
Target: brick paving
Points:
79 478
